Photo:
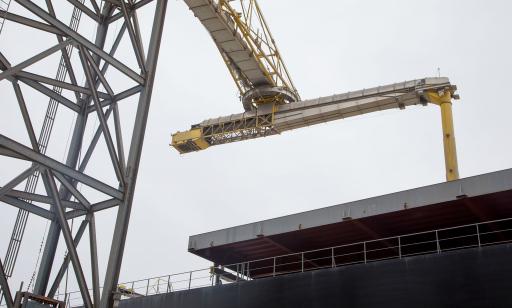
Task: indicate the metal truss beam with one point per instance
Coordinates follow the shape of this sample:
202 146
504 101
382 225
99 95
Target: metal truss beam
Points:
17 180
59 167
39 211
81 40
123 216
14 69
42 199
96 58
30 22
67 258
68 238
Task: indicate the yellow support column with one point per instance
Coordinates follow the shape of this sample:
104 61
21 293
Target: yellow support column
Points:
444 100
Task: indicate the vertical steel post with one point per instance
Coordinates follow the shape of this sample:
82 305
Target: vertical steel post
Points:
478 234
274 268
302 262
437 242
333 262
364 251
399 248
94 260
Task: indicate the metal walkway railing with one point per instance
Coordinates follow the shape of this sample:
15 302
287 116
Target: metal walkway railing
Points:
396 247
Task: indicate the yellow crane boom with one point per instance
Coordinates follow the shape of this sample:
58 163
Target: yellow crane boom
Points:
243 38
271 102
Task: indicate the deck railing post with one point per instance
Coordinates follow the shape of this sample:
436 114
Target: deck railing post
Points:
190 280
478 234
364 251
168 283
302 262
333 262
437 242
147 288
399 248
274 268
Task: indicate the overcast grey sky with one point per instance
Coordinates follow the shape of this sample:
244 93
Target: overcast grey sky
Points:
329 46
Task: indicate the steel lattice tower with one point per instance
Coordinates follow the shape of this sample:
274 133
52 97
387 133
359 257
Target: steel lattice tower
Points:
94 60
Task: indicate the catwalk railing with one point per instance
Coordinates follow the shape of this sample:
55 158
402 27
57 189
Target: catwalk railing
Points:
396 247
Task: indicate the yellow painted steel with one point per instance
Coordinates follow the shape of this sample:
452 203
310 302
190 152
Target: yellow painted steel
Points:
253 29
444 100
189 141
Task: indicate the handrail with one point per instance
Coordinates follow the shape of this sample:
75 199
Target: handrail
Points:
394 248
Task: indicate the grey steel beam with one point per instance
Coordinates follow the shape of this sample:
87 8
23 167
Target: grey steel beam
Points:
85 10
26 117
12 154
137 5
100 76
96 207
51 94
39 87
42 199
119 137
17 180
114 47
123 215
71 161
29 5
39 211
65 262
92 145
30 22
6 291
94 260
60 84
72 189
134 39
14 69
71 172
117 123
59 167
68 238
118 97
101 116
96 7
69 49
4 64
136 28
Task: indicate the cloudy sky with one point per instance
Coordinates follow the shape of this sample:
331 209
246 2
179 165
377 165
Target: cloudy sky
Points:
329 46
